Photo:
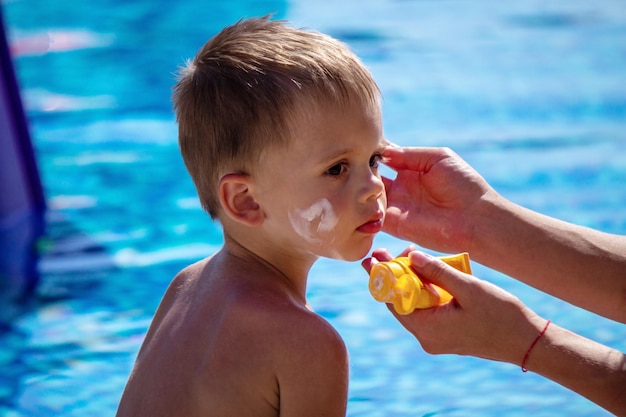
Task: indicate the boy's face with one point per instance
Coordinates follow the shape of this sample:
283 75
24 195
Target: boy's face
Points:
322 194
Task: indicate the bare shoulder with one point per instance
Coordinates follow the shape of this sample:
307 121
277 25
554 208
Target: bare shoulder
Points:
310 361
235 342
194 270
183 280
302 333
291 323
312 350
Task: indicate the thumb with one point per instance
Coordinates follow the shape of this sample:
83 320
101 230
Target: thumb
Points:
387 182
435 271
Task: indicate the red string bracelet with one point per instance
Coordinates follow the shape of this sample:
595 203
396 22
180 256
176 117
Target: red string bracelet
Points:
533 345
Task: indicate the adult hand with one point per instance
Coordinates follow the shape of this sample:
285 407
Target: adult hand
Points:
434 199
485 321
438 201
482 320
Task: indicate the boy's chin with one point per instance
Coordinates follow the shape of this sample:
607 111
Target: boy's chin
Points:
351 257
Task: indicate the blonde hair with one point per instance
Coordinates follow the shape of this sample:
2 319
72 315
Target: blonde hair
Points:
238 95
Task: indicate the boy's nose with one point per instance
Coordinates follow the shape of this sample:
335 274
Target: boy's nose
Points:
373 187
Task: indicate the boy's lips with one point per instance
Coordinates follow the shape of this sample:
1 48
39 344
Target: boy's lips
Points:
372 226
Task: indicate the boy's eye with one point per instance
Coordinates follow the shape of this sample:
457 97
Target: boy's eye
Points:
375 160
337 169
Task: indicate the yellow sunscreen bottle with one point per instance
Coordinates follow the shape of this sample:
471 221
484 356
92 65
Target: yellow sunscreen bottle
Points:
395 282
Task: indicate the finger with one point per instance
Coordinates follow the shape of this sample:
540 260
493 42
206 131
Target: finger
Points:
391 308
368 264
387 182
408 250
413 158
388 155
399 317
439 273
412 321
382 255
378 255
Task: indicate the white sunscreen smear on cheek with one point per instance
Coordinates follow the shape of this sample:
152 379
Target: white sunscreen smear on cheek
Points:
318 218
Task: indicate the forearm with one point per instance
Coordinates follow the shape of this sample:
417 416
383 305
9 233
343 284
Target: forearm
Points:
582 266
590 369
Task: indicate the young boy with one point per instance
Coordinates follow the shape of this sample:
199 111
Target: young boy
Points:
281 132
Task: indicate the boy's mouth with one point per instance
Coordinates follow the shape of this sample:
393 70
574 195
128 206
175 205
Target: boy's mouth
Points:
372 226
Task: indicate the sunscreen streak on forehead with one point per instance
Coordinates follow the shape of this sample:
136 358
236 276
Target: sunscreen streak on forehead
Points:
317 218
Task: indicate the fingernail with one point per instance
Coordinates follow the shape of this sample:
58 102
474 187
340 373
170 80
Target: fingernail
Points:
419 259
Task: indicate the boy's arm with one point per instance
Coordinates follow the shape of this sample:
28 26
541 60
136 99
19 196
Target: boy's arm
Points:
312 369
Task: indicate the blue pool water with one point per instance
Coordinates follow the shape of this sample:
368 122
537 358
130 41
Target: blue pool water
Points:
533 94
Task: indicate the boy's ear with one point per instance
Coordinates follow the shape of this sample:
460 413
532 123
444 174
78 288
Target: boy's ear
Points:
237 199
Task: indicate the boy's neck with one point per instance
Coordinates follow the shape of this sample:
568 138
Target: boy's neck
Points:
291 271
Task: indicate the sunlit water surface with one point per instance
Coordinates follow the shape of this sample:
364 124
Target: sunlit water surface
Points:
532 94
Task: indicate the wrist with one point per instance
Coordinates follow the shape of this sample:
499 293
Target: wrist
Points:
532 345
490 216
523 339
